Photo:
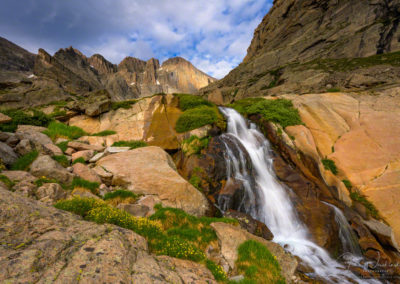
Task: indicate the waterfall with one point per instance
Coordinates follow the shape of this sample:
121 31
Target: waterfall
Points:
267 200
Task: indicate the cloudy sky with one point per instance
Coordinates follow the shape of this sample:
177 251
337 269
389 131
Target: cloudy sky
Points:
213 35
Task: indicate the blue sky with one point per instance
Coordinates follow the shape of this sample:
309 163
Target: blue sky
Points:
213 35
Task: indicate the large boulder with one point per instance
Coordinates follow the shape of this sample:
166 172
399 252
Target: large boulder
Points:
46 166
151 171
43 244
231 237
85 172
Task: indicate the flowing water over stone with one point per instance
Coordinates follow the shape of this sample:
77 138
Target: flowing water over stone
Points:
249 161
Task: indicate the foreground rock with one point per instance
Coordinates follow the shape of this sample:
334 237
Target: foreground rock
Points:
231 237
151 171
47 167
43 244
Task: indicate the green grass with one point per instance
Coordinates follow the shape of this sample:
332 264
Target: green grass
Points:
60 130
63 146
279 111
258 264
38 118
196 118
187 101
347 183
330 165
131 144
124 104
79 182
79 160
104 133
349 64
58 113
333 90
9 183
42 180
169 231
355 196
23 162
194 145
121 193
62 160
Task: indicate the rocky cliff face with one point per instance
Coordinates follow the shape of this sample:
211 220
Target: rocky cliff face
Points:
311 46
32 80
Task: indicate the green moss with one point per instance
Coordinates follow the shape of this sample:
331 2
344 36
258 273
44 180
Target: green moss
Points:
330 165
9 183
279 111
23 163
196 118
61 130
104 133
124 104
79 182
347 183
194 144
187 101
62 160
131 144
258 264
58 113
355 196
79 160
120 193
18 117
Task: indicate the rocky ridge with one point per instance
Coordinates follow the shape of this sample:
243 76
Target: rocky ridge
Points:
31 80
312 46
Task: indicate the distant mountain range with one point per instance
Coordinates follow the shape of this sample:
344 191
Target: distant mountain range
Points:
27 79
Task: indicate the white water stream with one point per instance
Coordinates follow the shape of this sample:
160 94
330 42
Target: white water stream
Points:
269 199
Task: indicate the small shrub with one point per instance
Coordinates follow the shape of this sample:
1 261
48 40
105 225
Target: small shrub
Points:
105 133
195 118
61 130
80 206
187 101
9 183
131 144
242 105
347 183
176 247
79 182
62 160
38 118
257 263
355 196
330 165
63 146
124 104
79 160
216 270
23 163
120 193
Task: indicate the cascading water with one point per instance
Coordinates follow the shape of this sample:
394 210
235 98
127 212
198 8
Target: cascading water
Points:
268 201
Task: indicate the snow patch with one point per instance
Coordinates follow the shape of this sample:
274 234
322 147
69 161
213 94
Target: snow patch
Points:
31 76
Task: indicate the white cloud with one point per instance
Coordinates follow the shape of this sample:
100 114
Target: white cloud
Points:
214 34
